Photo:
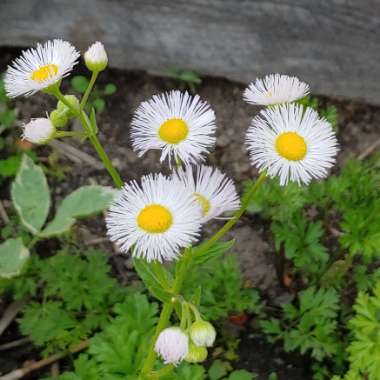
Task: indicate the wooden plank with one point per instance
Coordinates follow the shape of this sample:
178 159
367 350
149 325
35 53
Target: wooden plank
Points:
332 44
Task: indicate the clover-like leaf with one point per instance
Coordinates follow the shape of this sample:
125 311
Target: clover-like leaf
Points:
13 258
30 195
81 203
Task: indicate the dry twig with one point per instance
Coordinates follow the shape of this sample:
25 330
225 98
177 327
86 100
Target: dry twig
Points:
21 372
369 150
10 313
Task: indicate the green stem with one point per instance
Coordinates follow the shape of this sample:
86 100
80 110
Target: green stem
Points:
162 323
60 134
244 205
183 266
84 120
33 242
162 372
100 150
88 90
167 310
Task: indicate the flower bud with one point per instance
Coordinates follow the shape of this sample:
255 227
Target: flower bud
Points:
58 119
95 57
202 333
38 131
172 345
196 354
63 109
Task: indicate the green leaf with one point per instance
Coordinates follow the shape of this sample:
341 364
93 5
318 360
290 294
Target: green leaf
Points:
8 118
156 282
99 104
9 167
110 89
83 202
241 374
13 258
217 370
79 83
30 195
3 95
218 249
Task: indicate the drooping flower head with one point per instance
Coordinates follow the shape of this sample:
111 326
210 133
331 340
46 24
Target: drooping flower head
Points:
181 125
275 89
202 333
156 218
38 131
40 68
293 143
214 191
172 345
95 57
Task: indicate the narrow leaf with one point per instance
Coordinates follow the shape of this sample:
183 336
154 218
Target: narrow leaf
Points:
151 280
218 249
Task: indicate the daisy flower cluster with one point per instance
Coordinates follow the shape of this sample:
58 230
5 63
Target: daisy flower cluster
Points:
42 69
287 140
161 215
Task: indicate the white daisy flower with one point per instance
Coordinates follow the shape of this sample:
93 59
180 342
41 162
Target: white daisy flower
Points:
38 131
215 192
40 68
172 345
155 219
275 89
95 57
181 125
293 143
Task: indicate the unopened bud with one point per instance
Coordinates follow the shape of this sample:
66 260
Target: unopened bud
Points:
62 108
196 354
202 333
95 57
172 345
39 131
58 119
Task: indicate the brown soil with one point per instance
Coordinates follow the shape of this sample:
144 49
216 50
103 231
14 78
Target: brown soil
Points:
358 129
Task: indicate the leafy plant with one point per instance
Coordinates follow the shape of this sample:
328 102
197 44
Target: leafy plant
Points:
187 77
7 113
31 198
310 326
302 243
77 297
364 349
330 113
221 289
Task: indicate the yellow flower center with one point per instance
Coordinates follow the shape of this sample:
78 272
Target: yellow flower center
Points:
155 219
205 204
291 146
45 72
173 131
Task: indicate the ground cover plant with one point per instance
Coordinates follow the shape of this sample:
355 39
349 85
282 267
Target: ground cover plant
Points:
169 325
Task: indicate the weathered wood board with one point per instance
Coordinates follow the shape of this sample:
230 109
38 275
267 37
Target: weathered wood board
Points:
332 44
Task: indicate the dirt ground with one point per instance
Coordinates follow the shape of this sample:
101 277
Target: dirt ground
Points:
358 130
